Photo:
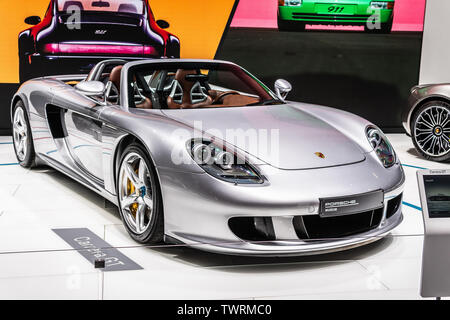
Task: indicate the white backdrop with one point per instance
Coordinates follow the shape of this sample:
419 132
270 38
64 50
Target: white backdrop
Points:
435 64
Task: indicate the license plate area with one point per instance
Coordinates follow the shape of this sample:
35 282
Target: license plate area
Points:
335 9
341 206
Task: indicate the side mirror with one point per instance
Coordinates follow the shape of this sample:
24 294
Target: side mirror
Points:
282 88
33 20
91 88
163 24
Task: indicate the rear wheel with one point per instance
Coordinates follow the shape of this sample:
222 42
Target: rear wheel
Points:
22 138
139 196
430 131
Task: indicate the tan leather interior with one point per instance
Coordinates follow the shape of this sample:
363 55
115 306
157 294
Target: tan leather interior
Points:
114 77
147 104
186 86
215 99
235 100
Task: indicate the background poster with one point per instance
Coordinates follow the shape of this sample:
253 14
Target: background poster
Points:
408 15
199 25
338 66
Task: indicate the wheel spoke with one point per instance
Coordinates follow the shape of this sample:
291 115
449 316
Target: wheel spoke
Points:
435 117
20 149
425 123
17 128
128 201
433 144
425 130
438 144
443 143
132 175
142 172
446 137
439 115
430 117
140 217
148 202
24 146
429 137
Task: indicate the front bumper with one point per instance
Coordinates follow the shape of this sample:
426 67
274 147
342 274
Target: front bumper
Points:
308 13
198 207
293 247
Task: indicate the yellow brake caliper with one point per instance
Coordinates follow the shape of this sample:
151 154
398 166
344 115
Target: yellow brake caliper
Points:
130 190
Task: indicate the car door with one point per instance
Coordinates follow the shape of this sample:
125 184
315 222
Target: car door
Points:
82 133
84 139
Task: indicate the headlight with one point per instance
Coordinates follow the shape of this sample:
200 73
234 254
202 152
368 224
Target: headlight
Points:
222 164
289 3
382 5
382 146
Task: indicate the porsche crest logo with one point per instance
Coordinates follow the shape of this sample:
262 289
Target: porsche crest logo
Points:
320 155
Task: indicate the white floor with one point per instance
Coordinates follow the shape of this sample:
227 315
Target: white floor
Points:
36 264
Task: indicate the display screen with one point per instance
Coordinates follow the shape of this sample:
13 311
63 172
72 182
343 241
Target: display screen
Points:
437 191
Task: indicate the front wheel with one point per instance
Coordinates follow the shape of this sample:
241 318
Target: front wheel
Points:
22 138
430 131
139 196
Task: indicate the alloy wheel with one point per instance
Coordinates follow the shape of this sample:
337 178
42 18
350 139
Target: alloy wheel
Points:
135 193
20 132
432 131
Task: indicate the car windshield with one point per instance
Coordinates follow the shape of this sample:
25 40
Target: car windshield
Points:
196 85
121 6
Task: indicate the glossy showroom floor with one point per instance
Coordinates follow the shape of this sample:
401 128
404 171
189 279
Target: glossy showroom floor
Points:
36 264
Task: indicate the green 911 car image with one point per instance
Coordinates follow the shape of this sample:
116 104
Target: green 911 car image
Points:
375 16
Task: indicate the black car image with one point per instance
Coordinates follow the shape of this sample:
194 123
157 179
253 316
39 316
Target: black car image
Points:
74 35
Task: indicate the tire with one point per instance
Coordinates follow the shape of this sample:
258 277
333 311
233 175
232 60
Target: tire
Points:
22 137
422 128
286 25
151 228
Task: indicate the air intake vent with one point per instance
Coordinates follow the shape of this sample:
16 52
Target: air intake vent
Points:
316 228
393 205
252 228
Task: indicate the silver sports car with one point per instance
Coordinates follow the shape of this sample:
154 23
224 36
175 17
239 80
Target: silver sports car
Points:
427 120
201 152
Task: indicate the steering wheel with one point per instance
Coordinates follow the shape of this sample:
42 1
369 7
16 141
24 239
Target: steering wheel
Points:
223 95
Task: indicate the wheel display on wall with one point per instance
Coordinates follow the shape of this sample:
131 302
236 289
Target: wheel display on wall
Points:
430 130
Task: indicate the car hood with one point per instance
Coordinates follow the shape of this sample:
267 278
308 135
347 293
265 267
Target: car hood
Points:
280 135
